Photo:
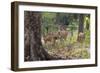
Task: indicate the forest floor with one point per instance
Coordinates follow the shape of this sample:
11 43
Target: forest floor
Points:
72 51
70 48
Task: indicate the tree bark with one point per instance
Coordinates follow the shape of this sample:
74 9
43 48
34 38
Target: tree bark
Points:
81 23
34 50
81 35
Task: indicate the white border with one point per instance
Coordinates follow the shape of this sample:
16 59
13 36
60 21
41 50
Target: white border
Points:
34 64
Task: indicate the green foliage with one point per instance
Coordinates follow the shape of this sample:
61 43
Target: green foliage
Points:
48 18
87 38
86 21
66 47
79 53
62 19
48 21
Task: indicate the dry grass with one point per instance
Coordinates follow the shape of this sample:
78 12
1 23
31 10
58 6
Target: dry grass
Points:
69 48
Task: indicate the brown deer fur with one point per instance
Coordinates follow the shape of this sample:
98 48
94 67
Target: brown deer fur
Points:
81 37
53 36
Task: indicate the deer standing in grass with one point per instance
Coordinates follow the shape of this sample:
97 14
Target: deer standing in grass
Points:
54 36
63 34
81 37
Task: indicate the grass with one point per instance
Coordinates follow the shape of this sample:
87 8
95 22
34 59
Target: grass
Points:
69 48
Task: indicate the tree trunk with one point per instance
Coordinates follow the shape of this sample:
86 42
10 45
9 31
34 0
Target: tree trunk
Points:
34 50
81 23
81 35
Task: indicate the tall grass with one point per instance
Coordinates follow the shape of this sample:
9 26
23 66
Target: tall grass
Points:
69 48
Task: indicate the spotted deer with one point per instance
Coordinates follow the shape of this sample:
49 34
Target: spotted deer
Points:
54 36
63 34
81 37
